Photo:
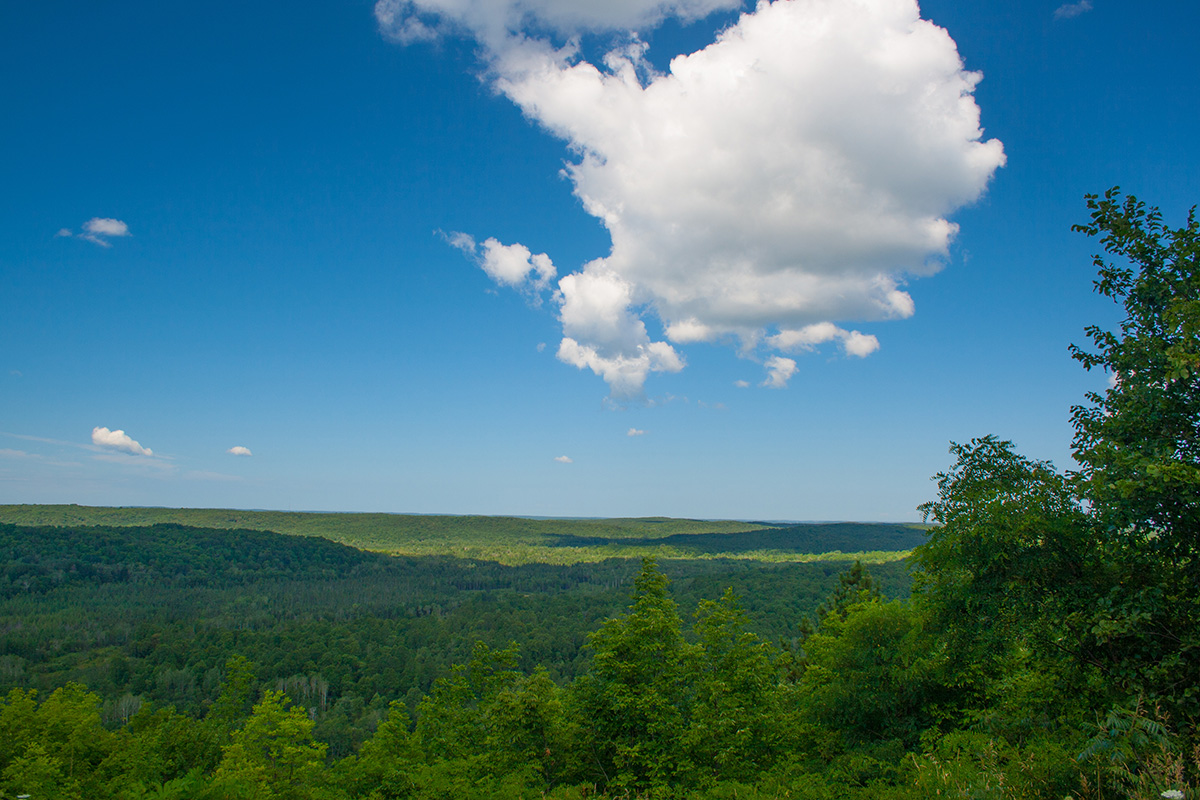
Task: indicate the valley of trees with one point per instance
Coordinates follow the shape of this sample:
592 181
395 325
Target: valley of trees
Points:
1043 641
155 612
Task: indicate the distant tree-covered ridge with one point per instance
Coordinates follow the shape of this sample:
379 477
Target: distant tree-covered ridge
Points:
807 538
516 540
38 559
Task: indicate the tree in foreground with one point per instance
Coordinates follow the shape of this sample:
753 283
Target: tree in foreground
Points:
1138 446
273 755
1003 570
635 698
1083 589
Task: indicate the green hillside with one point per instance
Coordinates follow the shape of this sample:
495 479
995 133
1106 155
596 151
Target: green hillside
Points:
515 540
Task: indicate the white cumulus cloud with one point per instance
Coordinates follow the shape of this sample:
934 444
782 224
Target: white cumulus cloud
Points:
564 459
101 226
100 229
238 450
794 174
635 432
779 371
603 334
859 344
118 440
511 265
807 338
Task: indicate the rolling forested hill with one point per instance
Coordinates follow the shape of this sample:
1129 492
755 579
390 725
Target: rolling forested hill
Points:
515 540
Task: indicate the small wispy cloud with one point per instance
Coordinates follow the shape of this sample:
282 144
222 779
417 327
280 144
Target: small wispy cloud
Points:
98 230
111 446
6 452
42 439
238 450
154 463
779 372
741 384
635 432
118 440
564 459
1071 10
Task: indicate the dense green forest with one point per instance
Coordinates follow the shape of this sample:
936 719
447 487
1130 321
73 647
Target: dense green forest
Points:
1049 648
155 612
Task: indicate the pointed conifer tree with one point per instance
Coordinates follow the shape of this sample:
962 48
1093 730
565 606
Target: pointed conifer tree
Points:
635 701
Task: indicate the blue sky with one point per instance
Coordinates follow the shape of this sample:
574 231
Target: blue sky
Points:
779 275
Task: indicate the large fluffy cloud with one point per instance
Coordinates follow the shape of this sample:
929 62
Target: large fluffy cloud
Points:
793 174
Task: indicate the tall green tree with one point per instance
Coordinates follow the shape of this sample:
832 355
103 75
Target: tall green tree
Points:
741 709
1138 444
1002 579
1010 538
1100 567
383 768
155 747
61 736
39 773
493 719
273 755
634 704
868 677
18 723
855 585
